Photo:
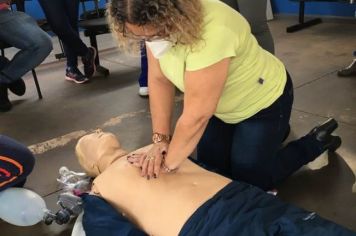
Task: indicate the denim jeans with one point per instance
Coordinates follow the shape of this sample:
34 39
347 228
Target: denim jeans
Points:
21 31
251 151
62 16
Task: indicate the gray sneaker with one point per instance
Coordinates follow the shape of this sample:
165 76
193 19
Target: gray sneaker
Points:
348 71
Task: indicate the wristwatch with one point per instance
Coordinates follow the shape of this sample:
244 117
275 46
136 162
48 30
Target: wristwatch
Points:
157 138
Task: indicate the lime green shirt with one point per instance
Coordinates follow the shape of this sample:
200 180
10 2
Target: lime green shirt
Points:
255 79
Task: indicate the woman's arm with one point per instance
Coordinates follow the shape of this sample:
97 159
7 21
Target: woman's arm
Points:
161 95
203 89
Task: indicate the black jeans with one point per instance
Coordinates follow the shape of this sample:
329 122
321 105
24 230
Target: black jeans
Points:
62 16
252 151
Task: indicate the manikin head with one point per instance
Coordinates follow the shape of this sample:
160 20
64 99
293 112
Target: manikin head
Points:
97 151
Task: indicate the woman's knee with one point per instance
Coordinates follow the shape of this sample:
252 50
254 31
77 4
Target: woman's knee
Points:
40 45
45 44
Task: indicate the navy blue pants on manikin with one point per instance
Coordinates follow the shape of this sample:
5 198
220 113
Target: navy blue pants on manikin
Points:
237 209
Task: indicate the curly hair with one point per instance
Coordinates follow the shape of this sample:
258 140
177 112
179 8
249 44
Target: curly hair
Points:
180 19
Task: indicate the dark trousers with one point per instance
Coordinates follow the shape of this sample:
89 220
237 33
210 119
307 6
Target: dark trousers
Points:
252 151
16 163
142 80
237 209
242 209
62 16
100 218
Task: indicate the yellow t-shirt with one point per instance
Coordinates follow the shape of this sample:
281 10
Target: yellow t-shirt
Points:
256 78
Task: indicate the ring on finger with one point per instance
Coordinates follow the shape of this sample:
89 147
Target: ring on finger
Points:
148 158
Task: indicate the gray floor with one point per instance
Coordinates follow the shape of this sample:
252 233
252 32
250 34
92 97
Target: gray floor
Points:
51 127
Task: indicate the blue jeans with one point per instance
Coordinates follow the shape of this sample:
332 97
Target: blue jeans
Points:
251 151
21 31
62 16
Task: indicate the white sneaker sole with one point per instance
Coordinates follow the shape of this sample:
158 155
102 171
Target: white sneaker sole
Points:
76 81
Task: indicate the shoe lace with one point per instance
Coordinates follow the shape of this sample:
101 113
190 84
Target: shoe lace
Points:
76 71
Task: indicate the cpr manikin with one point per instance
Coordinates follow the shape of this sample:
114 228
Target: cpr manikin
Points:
120 183
190 201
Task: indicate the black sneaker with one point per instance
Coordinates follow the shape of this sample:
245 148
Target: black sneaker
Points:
322 133
5 104
74 74
89 62
18 87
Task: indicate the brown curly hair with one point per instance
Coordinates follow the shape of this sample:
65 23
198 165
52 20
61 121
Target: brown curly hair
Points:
180 19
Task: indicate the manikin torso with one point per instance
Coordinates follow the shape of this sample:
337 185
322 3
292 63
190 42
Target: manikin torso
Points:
158 206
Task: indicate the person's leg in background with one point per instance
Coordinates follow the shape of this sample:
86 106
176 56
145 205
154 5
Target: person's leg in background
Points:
255 13
20 31
142 80
61 16
16 163
88 59
256 154
72 71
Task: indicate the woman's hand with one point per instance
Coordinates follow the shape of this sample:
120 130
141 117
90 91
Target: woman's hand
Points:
150 162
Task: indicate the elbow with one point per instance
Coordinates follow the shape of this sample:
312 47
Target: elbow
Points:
195 120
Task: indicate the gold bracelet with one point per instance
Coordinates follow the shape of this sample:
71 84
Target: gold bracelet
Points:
157 138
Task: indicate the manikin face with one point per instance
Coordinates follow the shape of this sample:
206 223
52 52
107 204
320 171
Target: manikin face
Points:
97 151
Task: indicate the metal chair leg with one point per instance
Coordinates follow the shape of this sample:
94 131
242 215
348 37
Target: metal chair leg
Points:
37 84
302 23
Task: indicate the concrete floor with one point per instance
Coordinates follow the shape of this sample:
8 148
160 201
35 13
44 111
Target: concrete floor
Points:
51 127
